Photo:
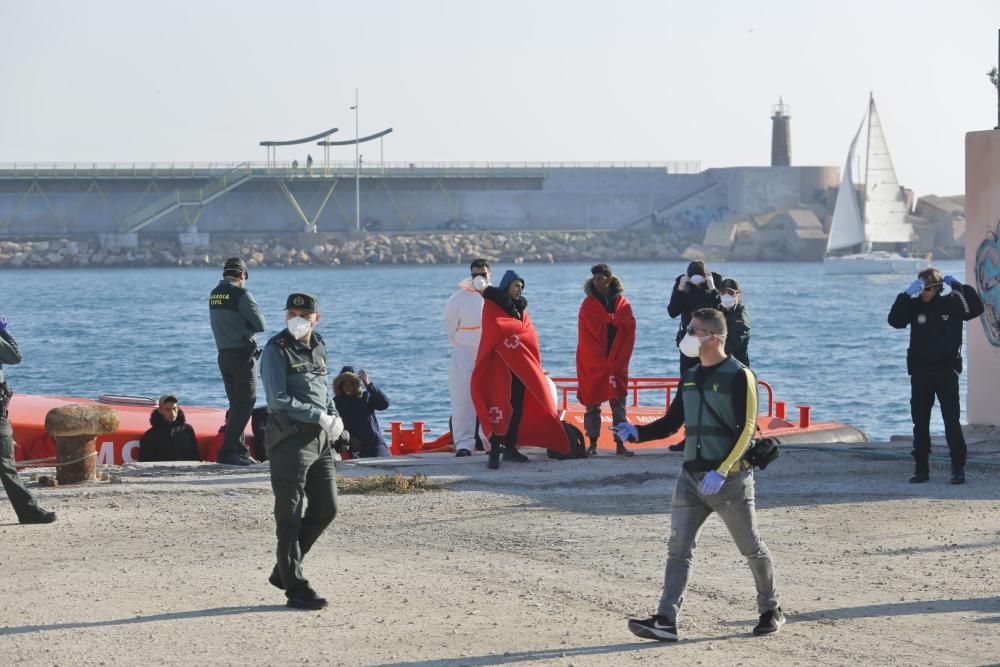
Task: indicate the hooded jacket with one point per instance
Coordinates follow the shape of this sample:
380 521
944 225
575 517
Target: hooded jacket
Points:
358 412
168 441
605 340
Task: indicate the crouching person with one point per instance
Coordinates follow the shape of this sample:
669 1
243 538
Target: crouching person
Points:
357 399
301 428
171 438
717 405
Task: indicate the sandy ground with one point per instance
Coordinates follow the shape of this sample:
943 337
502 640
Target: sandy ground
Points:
539 563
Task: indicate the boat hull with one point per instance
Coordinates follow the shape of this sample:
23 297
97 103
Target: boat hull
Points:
874 263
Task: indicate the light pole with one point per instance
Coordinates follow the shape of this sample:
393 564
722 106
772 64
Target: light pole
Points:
357 168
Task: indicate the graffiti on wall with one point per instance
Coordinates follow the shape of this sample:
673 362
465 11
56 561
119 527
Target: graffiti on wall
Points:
988 282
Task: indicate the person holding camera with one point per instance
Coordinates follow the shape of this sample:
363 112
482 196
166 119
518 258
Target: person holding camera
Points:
25 505
235 318
716 403
357 400
934 361
694 289
302 427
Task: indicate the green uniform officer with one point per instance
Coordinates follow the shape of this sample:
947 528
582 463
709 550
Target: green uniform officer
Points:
302 425
24 503
235 318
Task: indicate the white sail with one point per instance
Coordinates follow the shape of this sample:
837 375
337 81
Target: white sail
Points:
885 206
847 228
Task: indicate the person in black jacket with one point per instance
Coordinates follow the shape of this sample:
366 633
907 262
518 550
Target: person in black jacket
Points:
357 399
737 320
693 290
934 361
171 438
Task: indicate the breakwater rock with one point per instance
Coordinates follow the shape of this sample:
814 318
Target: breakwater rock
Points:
336 249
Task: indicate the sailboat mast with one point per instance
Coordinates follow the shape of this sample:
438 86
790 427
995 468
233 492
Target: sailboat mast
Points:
868 155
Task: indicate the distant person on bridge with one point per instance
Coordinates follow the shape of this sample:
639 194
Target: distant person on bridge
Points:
463 323
605 338
693 290
235 318
511 393
25 505
716 403
934 361
737 320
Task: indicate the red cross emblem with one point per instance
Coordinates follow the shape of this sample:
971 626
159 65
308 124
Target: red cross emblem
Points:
512 342
496 414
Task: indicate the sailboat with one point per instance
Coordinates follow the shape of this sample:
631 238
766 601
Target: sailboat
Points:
880 216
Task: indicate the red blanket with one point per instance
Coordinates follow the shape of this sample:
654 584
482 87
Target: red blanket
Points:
602 376
510 346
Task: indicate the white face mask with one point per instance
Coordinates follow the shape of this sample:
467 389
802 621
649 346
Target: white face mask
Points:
690 345
299 327
479 283
728 301
697 279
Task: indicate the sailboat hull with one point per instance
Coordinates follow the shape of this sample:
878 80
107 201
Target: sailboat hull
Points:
874 263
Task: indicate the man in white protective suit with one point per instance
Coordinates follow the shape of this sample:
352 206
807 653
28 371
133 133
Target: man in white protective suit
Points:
463 320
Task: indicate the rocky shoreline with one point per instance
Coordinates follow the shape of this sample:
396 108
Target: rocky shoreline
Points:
340 249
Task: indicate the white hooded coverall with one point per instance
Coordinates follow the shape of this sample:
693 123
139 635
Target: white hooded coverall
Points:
463 322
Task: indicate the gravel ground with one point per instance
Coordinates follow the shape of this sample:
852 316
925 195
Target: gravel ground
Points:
537 563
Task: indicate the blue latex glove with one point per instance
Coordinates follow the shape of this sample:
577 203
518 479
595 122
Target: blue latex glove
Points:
3 323
711 484
950 281
915 288
626 432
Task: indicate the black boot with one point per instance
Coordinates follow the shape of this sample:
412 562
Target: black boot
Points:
495 450
677 447
957 474
620 449
592 450
510 453
922 474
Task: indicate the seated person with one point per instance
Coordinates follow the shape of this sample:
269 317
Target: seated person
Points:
171 438
357 399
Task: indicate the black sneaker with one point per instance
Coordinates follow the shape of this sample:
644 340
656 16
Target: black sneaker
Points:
676 447
41 516
463 452
233 460
307 599
654 627
770 621
495 451
920 478
511 454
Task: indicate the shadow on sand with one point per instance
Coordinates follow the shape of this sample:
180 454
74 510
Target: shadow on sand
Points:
155 618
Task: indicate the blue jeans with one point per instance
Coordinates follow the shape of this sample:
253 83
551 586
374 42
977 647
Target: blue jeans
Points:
688 511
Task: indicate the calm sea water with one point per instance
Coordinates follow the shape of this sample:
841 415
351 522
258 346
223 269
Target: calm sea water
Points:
818 340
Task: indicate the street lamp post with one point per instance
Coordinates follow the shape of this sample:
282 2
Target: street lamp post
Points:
357 168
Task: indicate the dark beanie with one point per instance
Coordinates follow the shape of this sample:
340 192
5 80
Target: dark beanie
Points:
730 283
509 276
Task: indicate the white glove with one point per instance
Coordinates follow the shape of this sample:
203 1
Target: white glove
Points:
333 426
683 283
697 279
710 283
479 283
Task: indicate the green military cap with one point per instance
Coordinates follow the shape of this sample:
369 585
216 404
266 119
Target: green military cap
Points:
302 301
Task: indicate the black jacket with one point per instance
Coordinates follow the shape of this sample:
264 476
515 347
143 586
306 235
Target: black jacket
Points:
738 333
358 413
936 327
174 441
691 298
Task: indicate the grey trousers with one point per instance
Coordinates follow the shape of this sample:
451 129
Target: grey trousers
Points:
688 511
304 481
24 503
592 417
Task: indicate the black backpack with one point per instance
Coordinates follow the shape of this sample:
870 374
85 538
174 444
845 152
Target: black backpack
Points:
577 444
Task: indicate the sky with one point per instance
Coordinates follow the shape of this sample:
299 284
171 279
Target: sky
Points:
505 80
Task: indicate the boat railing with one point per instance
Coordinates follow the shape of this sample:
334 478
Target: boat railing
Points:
567 385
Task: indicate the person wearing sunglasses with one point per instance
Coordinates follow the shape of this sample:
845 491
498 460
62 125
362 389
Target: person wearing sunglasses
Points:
694 289
934 361
716 403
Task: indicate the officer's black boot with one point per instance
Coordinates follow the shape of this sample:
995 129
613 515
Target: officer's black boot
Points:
495 450
592 450
510 453
921 474
957 474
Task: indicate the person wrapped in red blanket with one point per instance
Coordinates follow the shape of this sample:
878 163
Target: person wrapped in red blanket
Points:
509 389
606 336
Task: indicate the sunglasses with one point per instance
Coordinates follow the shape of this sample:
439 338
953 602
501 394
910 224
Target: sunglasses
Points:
932 287
693 330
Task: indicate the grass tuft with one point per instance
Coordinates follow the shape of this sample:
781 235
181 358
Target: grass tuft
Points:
386 485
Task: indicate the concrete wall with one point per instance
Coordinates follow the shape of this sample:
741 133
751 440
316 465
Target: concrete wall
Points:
982 264
555 198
